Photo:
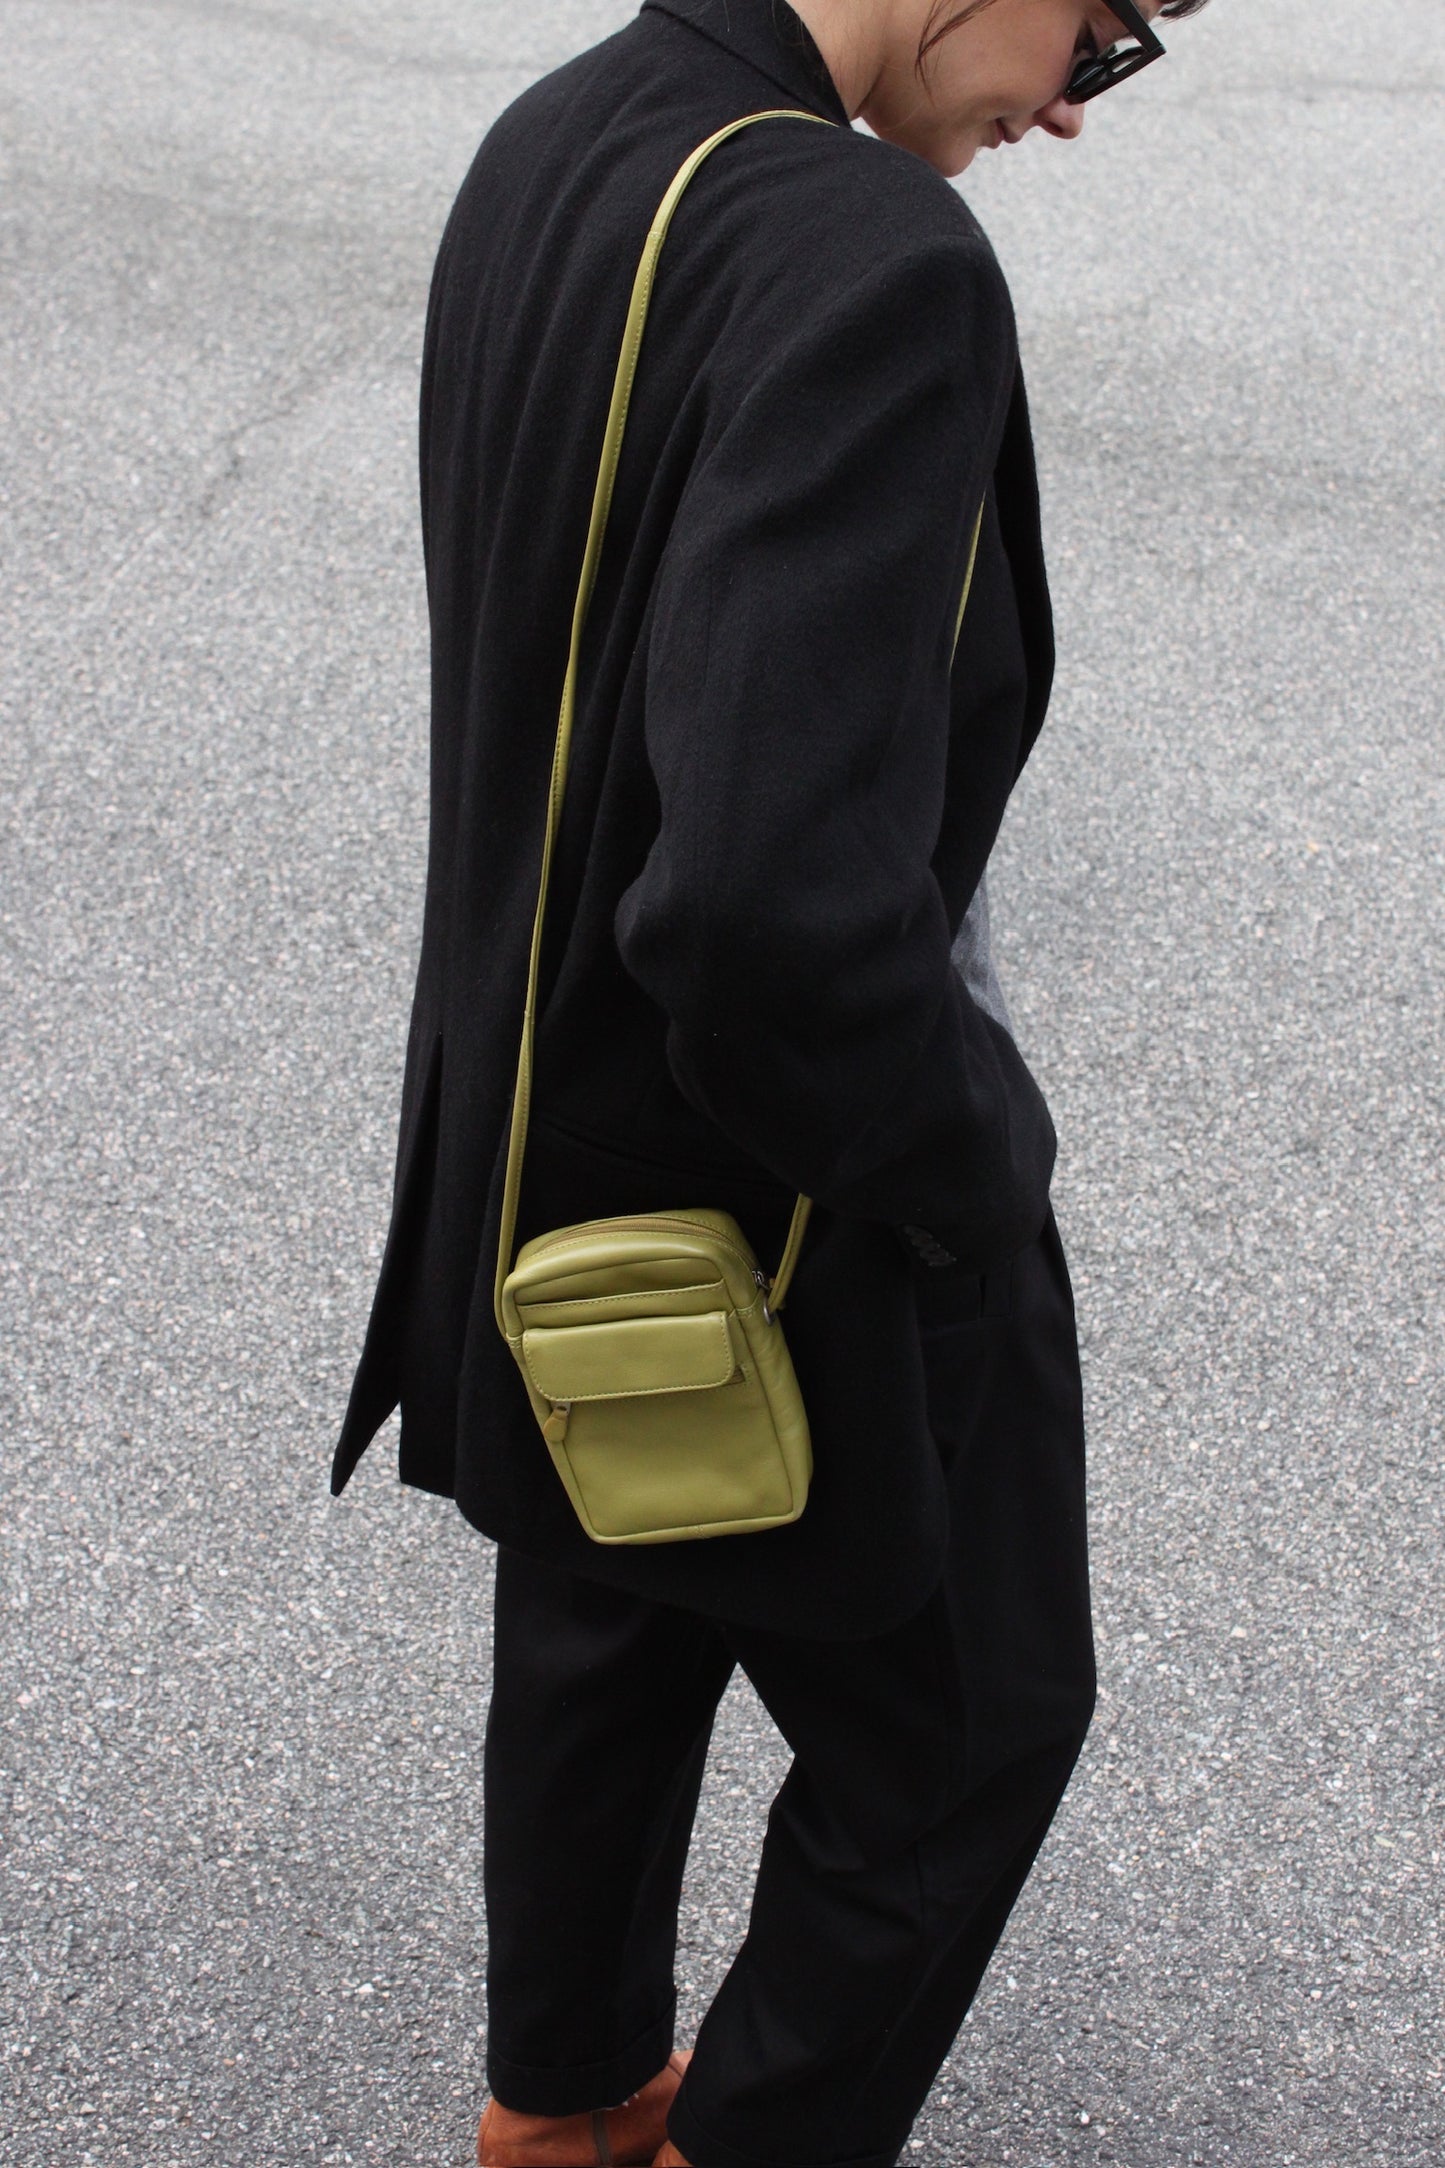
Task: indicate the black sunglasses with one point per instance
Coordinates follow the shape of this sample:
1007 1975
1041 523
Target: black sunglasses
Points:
1101 71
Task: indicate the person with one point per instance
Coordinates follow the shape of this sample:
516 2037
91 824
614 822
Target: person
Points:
765 972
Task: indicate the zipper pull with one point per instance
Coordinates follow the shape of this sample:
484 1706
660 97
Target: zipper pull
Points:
554 1430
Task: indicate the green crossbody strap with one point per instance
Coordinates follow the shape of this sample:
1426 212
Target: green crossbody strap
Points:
597 527
968 575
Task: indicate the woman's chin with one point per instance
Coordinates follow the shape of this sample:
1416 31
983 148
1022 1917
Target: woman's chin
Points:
949 155
958 156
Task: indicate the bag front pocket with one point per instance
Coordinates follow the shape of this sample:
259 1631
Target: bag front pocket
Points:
625 1356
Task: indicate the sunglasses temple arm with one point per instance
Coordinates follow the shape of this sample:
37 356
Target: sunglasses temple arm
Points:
1137 25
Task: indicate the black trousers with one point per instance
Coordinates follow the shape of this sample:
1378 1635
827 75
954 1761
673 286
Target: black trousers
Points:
927 1766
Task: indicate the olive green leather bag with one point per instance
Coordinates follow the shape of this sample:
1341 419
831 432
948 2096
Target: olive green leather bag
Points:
650 1344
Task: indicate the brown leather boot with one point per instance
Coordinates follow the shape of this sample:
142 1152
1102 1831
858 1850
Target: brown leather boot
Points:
624 2137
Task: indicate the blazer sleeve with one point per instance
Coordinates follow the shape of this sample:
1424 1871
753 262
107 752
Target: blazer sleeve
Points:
787 919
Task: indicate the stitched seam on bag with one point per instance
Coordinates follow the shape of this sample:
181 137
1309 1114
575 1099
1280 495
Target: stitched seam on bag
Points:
702 1528
634 1392
638 1294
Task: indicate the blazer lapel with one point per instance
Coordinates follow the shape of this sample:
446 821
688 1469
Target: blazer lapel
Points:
1017 494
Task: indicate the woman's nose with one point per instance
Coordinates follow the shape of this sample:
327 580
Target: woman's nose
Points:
1060 118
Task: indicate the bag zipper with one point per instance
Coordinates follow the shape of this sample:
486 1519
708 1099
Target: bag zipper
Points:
554 1430
691 1226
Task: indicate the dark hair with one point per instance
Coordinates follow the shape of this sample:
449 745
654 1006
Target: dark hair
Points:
937 32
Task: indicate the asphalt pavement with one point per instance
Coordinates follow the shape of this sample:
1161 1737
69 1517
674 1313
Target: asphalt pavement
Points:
239 1883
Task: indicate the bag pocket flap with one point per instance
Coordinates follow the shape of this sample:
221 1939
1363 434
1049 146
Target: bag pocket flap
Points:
629 1355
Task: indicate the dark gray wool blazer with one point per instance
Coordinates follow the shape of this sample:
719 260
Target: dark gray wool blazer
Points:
781 798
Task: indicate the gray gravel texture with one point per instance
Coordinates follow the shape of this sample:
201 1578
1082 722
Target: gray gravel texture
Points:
241 1724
